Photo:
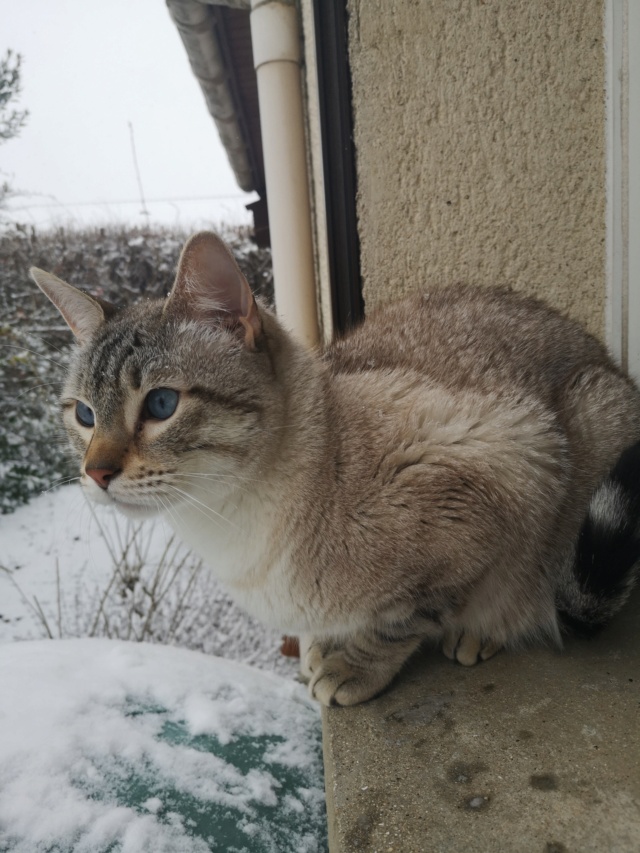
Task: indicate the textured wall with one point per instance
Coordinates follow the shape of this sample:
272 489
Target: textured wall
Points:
480 136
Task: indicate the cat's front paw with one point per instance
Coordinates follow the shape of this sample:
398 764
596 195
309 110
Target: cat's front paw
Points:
466 648
333 680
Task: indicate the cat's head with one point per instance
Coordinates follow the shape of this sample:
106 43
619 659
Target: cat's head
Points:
171 399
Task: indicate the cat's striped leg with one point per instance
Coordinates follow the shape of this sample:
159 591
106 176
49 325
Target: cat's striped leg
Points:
350 671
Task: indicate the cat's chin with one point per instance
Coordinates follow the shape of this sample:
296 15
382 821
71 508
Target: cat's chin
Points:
135 511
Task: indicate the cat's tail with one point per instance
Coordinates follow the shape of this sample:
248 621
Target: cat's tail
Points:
607 558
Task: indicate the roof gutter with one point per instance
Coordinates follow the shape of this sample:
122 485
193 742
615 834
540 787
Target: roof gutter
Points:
276 44
195 24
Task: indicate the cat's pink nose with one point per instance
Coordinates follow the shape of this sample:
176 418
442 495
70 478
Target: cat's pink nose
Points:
102 476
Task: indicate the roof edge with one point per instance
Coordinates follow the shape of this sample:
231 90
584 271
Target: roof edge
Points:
194 22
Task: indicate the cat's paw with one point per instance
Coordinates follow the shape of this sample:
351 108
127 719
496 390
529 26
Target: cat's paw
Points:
466 648
336 682
333 680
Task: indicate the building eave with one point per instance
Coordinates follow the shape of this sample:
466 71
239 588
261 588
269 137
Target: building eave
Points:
196 24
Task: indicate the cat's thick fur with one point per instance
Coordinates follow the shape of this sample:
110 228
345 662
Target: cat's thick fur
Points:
462 467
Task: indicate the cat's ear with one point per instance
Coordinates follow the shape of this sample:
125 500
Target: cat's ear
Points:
210 286
84 314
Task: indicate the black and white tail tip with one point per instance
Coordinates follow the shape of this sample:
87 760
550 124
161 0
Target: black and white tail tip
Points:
607 561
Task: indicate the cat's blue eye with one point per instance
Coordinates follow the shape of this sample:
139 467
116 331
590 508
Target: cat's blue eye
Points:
85 415
161 403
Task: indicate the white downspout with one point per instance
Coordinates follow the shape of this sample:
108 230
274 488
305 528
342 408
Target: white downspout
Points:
277 55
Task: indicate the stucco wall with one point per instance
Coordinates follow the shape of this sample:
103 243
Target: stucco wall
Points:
480 136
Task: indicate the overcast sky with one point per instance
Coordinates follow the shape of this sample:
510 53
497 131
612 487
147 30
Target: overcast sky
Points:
90 68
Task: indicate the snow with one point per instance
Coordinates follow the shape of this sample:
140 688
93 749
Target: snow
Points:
61 550
108 745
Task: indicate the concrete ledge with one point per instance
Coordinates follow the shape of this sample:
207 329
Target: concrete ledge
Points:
533 752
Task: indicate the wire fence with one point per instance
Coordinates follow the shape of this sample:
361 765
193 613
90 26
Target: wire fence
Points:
180 211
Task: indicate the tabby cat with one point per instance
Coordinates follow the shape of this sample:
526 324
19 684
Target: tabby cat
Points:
464 467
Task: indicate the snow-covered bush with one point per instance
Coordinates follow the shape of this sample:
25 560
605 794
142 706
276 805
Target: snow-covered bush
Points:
71 569
33 448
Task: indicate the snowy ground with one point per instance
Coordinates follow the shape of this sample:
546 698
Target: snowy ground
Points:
62 573
124 747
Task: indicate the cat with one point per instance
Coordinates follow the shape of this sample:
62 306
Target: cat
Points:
464 467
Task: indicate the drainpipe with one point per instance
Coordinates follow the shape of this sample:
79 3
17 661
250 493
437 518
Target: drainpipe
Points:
277 56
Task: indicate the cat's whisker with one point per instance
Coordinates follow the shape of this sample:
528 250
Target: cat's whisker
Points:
58 480
29 334
212 475
198 504
170 511
220 474
227 473
32 388
230 481
35 352
226 499
186 497
64 481
171 515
